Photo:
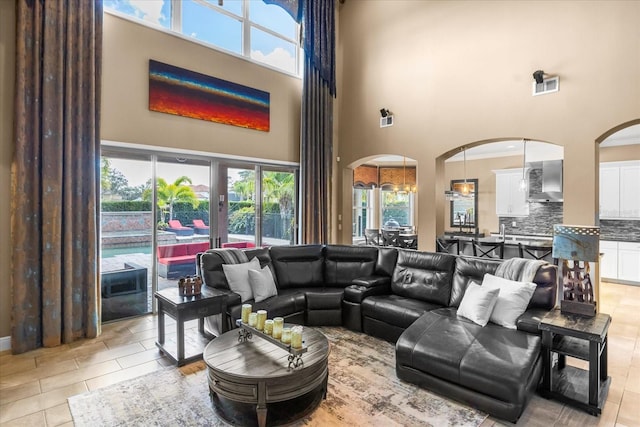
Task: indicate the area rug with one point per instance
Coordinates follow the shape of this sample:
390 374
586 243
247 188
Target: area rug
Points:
363 391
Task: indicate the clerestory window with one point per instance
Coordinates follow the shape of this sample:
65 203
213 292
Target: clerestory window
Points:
251 28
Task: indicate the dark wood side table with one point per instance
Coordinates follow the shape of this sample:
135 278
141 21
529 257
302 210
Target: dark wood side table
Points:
184 308
583 338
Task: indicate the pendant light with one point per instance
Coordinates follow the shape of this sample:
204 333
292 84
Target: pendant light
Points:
524 184
405 189
465 189
465 186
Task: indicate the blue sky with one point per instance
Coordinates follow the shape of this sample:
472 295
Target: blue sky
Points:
210 26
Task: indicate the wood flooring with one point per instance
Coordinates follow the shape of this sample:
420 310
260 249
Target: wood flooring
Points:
34 386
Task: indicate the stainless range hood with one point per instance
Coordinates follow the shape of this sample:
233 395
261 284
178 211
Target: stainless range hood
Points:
550 187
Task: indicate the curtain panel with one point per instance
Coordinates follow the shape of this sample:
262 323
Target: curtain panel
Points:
55 173
316 133
316 145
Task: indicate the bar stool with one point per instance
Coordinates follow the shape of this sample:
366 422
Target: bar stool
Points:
444 244
534 251
486 249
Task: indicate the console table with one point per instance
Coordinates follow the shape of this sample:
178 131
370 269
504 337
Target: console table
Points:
583 338
182 309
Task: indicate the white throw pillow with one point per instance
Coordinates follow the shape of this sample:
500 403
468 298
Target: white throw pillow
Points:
512 301
238 277
477 303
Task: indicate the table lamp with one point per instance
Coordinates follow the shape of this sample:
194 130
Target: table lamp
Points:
575 246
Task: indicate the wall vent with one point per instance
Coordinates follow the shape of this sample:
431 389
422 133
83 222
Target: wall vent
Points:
549 85
386 121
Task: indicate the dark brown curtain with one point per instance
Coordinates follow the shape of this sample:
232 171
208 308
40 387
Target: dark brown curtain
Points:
316 145
55 172
316 129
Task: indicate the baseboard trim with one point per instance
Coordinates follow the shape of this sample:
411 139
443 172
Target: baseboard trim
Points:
5 344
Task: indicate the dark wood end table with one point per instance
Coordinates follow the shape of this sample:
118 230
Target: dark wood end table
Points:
184 308
583 338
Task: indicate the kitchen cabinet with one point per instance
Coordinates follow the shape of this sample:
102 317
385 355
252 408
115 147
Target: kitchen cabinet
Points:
619 195
629 194
510 199
609 259
629 261
620 261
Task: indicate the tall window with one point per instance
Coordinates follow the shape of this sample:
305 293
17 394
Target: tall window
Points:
265 33
397 207
362 215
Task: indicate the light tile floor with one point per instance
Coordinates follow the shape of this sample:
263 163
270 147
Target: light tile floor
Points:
34 386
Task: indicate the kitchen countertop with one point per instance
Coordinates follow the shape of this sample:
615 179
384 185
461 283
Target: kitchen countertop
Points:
509 240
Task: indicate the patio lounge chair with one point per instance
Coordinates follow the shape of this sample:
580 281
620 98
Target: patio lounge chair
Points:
176 227
200 227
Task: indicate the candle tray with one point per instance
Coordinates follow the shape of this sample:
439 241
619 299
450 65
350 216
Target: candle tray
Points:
246 332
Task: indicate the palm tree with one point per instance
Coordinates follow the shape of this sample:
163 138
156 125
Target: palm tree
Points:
279 187
245 187
168 194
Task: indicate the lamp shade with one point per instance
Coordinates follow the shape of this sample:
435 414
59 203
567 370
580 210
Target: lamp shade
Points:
576 242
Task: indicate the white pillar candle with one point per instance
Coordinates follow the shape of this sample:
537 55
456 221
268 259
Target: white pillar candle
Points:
268 326
253 319
246 310
262 317
296 337
286 336
278 324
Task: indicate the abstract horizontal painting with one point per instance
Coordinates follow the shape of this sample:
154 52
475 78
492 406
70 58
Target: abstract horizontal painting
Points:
174 90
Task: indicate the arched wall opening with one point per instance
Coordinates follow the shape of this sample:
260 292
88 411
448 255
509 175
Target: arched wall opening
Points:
618 194
485 161
381 192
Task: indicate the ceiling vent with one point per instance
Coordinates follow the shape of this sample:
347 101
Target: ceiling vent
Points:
549 85
386 121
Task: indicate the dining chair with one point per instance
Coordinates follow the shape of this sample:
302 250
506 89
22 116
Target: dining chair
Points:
372 236
445 244
390 237
408 242
487 249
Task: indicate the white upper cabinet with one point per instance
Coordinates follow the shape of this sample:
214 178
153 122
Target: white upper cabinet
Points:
510 200
620 190
630 191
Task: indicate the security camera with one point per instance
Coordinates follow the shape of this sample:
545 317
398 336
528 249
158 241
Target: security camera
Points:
538 76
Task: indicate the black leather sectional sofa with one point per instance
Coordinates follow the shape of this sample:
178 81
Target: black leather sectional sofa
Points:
409 298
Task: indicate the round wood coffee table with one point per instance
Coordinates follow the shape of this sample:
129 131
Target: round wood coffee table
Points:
256 372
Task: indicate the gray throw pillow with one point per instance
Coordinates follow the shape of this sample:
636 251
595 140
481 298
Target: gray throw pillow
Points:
262 284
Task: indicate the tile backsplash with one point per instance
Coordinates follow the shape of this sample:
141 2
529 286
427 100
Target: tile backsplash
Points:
541 219
620 230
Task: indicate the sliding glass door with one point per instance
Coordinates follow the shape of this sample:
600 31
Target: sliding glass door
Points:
182 216
151 233
126 229
278 219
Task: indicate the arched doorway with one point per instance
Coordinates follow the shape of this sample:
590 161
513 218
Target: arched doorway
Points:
498 163
383 197
619 203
